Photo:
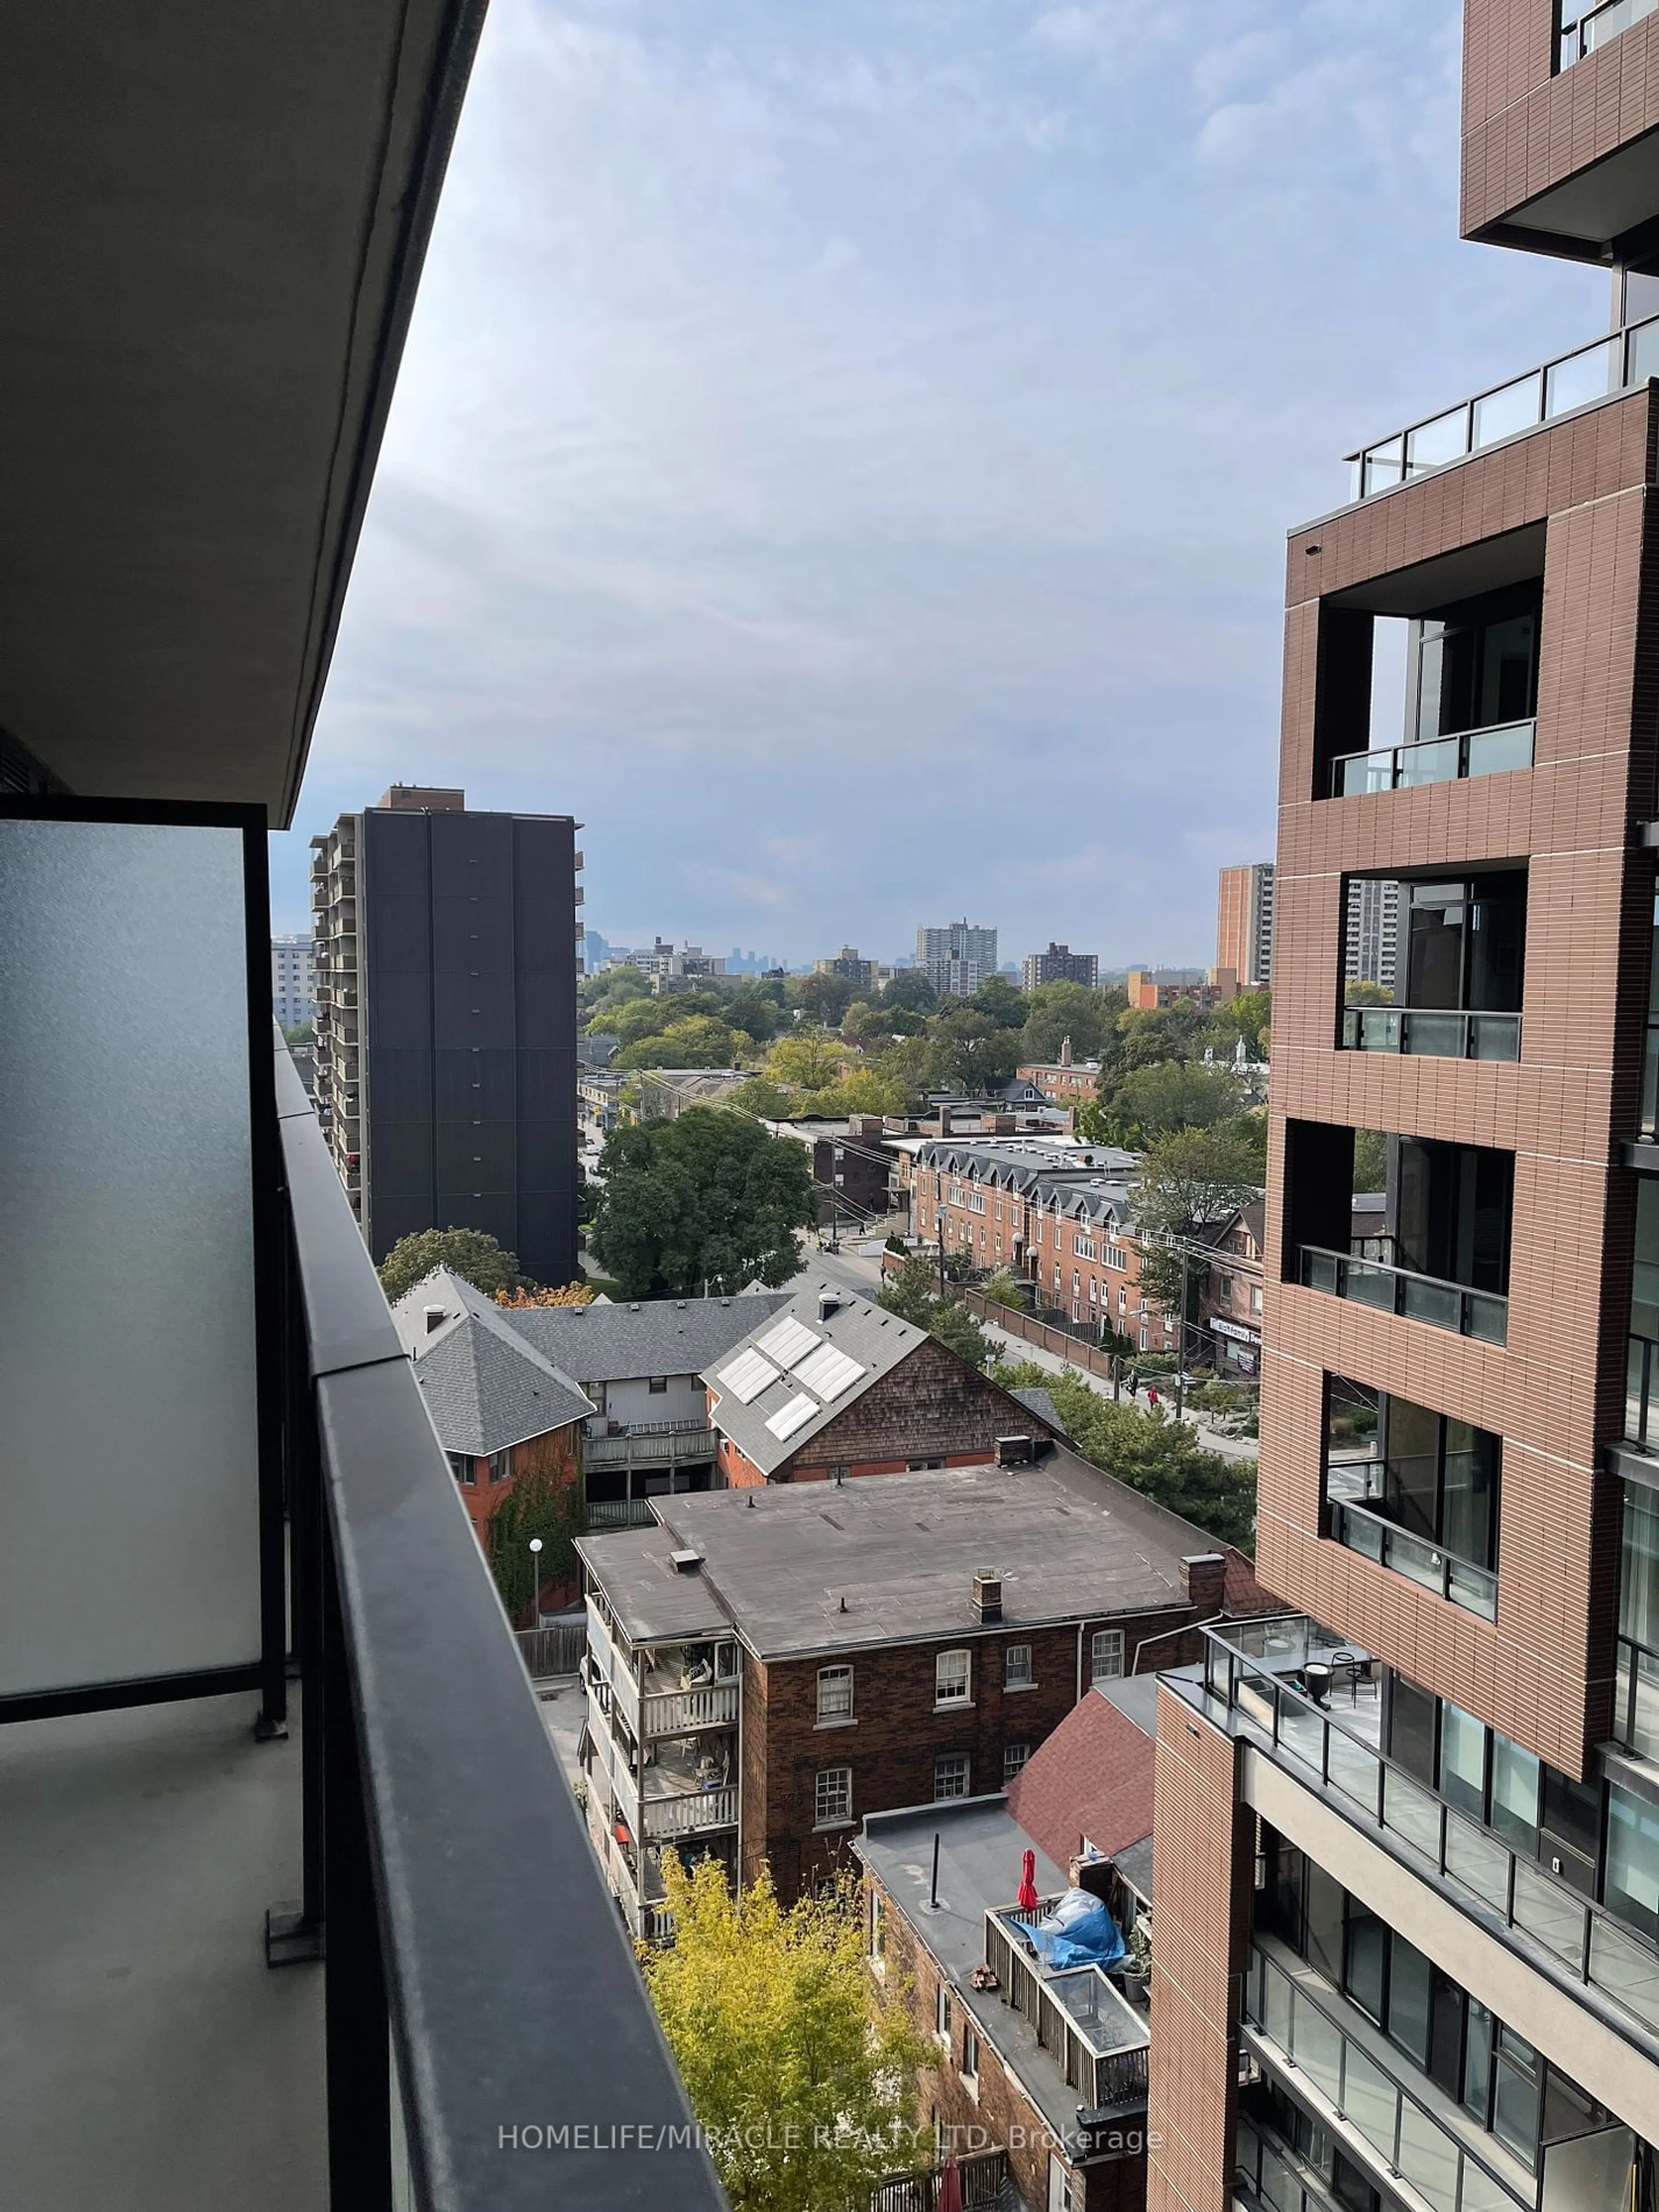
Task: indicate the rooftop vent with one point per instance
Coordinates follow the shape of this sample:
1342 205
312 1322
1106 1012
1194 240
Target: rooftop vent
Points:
685 1562
987 1595
435 1318
828 1304
1015 1451
635 1306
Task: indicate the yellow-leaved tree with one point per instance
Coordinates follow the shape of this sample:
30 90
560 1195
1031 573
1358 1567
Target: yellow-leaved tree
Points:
804 2086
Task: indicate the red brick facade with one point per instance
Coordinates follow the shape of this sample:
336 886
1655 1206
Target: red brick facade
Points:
897 1731
557 1455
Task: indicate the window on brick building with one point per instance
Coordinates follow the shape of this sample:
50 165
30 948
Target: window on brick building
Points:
832 1804
500 1466
1064 2188
950 1775
462 1466
834 1693
1017 1667
1014 1756
1106 1660
877 1928
953 1678
969 2054
943 2012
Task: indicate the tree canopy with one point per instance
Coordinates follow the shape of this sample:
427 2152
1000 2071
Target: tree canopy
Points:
803 2086
1058 1011
912 1294
1152 1453
811 1060
909 990
710 1197
536 1506
1153 1102
469 1253
694 1040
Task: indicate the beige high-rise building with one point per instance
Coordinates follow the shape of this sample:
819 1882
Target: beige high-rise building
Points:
1244 923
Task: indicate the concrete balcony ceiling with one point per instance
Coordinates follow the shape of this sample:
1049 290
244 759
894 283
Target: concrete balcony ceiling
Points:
212 224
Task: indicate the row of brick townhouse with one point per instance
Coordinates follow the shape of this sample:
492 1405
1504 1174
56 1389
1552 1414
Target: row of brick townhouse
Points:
1056 1213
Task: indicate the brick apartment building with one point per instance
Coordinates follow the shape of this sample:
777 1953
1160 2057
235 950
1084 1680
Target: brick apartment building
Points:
1059 964
855 1170
1244 923
1148 992
1232 1293
1053 1211
833 1387
1065 1081
1408 1837
1039 2084
766 1667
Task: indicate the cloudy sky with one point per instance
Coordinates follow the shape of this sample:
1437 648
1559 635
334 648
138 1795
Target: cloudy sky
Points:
845 446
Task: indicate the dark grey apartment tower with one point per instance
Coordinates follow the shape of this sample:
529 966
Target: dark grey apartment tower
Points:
446 967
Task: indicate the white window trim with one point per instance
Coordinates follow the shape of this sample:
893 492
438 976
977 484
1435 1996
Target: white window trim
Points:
848 1719
821 1827
953 1704
1111 1636
1029 1680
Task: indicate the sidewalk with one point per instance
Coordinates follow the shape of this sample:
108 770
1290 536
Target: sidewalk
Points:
1015 1348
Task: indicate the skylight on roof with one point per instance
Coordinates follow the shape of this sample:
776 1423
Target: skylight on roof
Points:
829 1372
788 1341
747 1375
795 1415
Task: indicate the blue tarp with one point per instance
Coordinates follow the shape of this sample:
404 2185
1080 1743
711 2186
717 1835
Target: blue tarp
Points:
1078 1932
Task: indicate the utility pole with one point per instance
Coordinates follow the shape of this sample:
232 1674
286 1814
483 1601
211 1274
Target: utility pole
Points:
1181 1336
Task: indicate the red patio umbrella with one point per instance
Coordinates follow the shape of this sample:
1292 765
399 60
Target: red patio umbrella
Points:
950 2186
1028 1896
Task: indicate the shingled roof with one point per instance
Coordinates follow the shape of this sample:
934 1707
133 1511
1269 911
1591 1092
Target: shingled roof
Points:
1092 1776
486 1389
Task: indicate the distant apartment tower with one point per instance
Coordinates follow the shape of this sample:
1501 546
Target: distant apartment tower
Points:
291 995
1244 923
957 958
1060 965
848 966
1150 988
447 963
1371 942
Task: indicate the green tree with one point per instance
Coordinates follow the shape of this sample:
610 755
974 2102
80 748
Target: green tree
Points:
301 1033
907 990
977 1050
821 998
1147 1035
802 2083
697 1041
1357 993
756 1009
469 1253
1151 1104
760 1095
1152 1453
912 1294
536 1506
1370 1160
1058 1011
710 1197
916 1065
997 998
811 1060
612 985
1190 1178
860 1091
1004 1289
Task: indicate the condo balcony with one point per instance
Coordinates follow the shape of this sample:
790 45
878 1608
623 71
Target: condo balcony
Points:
1403 1291
1314 1704
1359 1489
1487 752
1511 409
1587 26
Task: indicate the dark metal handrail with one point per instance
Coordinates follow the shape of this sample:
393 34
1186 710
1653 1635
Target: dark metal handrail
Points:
1375 1535
1451 759
1403 1291
1592 30
425 1756
1436 1032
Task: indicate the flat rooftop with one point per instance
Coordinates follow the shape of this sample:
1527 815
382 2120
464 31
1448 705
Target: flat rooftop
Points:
805 1567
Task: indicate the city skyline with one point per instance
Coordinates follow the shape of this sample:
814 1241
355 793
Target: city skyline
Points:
794 401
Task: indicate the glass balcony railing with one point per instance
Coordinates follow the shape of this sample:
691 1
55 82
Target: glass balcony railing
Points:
1257 1670
1433 1032
1649 1125
1301 2031
1435 760
1642 1391
1480 1314
1636 1715
1586 26
1590 372
1362 1529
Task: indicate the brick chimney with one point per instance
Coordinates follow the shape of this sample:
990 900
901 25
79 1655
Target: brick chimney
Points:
1204 1577
1065 1052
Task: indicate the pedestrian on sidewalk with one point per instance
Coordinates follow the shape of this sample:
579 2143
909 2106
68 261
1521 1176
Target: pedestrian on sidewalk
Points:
1151 1396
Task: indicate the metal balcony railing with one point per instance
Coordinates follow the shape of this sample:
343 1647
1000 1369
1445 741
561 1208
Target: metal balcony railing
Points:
981 2175
1571 380
655 1443
1481 1314
1361 1529
1587 26
1450 759
619 1513
1636 1720
1301 2033
682 1712
449 2023
1095 2036
1436 1032
1251 1669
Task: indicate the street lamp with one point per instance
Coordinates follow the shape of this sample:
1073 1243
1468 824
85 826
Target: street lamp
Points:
535 1582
